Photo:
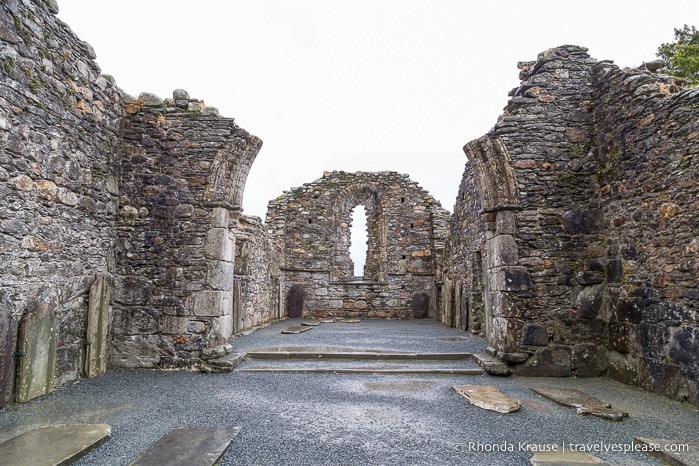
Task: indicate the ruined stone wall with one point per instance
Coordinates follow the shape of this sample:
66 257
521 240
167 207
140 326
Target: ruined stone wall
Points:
406 233
465 254
588 193
117 215
648 146
256 286
537 185
59 149
183 173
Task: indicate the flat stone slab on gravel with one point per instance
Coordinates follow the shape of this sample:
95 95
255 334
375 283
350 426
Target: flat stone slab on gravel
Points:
584 403
562 457
61 444
662 449
296 329
328 320
189 446
488 397
351 321
310 323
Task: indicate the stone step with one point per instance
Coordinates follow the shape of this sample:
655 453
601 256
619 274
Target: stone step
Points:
365 370
61 444
223 364
359 366
491 364
189 446
358 355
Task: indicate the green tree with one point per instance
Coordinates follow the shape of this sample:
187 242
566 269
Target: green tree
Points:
681 57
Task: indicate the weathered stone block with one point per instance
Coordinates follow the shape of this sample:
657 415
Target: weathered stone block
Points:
502 250
629 310
137 320
583 221
136 351
220 275
534 335
509 279
174 325
621 335
588 360
219 245
552 361
219 217
589 301
684 349
614 270
210 303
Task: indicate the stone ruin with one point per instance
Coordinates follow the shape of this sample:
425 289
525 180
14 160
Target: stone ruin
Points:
407 233
573 246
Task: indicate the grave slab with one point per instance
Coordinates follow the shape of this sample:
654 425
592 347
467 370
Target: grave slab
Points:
8 339
581 401
351 321
663 450
36 348
189 446
55 445
97 323
562 457
310 323
488 397
296 329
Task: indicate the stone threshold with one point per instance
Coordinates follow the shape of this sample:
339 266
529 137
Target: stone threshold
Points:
364 370
358 355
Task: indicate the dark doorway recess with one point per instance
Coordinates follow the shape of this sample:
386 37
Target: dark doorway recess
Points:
294 301
421 305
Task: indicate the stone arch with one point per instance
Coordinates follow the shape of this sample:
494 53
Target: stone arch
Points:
368 195
502 274
494 173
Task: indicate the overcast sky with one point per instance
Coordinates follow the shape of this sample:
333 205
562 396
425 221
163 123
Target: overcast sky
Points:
357 85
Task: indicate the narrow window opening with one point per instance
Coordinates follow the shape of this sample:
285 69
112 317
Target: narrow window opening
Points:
402 200
358 240
310 221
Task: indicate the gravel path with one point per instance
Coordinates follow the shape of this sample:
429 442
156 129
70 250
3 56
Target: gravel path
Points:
328 419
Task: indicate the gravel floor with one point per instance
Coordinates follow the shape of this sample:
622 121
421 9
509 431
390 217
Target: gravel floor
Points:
328 419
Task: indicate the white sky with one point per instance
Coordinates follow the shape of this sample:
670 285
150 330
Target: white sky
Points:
357 85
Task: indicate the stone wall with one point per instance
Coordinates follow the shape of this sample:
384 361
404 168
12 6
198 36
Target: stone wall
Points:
257 278
117 215
648 147
407 231
183 174
465 255
588 241
59 150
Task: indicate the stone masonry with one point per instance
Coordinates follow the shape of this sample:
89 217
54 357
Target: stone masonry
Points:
573 247
406 231
576 226
141 195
